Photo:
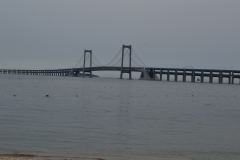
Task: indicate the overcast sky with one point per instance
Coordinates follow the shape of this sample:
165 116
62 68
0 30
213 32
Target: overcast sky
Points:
52 34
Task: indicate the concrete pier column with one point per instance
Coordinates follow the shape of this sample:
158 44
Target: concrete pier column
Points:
71 73
202 76
193 75
153 74
161 75
168 75
229 78
220 77
211 77
184 75
78 74
176 76
232 77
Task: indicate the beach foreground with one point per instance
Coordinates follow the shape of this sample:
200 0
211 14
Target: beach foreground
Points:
17 159
7 158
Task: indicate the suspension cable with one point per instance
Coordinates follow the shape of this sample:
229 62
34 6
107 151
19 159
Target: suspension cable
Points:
114 57
139 58
133 60
97 60
79 61
96 64
85 60
119 60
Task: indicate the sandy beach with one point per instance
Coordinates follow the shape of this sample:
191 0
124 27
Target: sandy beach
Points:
18 159
24 158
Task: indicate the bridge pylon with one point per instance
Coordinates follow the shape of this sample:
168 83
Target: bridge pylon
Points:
130 58
90 69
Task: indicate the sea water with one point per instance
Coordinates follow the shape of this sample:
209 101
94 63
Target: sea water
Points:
109 118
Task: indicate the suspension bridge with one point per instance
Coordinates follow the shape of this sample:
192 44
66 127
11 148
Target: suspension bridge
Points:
127 61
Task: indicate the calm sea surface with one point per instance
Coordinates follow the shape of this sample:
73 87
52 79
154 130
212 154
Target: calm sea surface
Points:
117 119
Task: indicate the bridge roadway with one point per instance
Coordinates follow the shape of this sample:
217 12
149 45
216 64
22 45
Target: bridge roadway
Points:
176 72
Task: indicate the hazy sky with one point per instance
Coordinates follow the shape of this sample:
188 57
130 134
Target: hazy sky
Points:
52 34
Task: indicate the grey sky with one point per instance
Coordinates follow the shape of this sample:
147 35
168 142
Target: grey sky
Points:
44 34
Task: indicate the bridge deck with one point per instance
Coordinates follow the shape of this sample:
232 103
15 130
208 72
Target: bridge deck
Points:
184 72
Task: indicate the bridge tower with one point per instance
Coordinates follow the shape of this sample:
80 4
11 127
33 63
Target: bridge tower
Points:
88 70
130 58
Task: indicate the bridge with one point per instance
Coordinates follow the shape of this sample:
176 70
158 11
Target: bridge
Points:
87 67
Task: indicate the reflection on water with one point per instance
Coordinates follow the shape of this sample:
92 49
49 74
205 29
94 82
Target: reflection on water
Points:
118 119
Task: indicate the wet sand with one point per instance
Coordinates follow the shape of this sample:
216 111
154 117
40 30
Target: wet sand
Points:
24 158
18 159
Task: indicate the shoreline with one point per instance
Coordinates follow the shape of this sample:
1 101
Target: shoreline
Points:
36 158
33 157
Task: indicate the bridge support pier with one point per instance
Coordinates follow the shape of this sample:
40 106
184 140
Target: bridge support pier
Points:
193 75
168 75
221 77
161 75
130 58
229 78
201 76
154 74
211 77
90 71
176 76
184 75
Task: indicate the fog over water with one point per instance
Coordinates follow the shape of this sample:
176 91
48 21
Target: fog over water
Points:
118 119
53 34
